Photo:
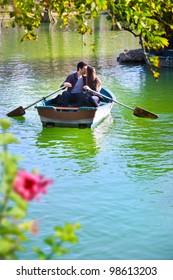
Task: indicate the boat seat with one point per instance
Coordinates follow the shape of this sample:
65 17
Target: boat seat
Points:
66 109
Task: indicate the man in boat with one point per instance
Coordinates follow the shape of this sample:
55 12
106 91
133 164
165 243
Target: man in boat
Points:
74 83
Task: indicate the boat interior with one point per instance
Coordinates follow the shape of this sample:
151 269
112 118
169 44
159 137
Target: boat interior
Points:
57 103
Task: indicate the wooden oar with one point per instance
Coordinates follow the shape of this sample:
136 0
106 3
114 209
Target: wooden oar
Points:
20 111
138 112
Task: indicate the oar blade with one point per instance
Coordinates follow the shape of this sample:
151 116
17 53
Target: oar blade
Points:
20 111
141 113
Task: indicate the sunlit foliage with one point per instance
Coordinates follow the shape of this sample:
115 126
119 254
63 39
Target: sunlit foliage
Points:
150 20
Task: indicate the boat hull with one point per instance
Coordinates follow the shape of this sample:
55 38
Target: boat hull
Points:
82 117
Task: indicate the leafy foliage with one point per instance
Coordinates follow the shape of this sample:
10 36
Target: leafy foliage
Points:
14 226
150 20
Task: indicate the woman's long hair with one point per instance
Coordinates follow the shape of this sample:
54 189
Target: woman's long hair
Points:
92 80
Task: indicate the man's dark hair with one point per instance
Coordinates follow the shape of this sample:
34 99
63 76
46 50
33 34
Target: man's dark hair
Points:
80 65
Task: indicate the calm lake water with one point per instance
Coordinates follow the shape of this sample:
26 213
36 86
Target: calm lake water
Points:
117 180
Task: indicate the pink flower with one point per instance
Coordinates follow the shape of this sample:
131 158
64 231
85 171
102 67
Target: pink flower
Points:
29 185
34 227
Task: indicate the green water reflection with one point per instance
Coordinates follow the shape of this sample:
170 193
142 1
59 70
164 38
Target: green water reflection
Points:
116 180
79 145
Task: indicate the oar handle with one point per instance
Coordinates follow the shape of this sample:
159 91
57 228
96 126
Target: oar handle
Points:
128 107
44 98
138 112
98 93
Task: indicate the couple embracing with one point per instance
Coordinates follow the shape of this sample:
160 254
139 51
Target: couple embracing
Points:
78 86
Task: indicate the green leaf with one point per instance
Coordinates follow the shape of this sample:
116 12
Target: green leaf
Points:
15 212
5 123
40 253
10 229
49 241
7 245
18 200
60 250
67 233
8 138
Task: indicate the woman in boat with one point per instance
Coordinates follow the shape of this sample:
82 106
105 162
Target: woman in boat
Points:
92 83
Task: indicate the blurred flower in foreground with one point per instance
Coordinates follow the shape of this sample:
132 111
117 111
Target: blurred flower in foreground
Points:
29 185
17 189
34 227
